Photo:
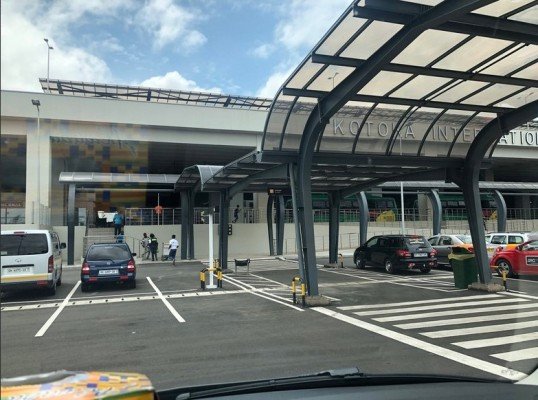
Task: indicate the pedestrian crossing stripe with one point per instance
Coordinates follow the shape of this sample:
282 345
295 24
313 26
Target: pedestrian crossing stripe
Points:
468 320
440 306
518 355
478 310
497 341
480 329
410 303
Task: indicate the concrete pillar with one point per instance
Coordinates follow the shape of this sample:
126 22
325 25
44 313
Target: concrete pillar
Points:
334 225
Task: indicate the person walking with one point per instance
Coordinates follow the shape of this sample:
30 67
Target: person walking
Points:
236 214
172 249
118 223
121 237
145 245
153 246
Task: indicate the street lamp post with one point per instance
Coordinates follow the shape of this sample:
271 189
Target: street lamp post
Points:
37 103
49 48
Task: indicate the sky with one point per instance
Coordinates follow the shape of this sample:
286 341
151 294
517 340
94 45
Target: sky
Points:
238 47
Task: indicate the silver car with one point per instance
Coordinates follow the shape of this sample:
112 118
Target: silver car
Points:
444 243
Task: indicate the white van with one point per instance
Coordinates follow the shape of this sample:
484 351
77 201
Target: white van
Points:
31 259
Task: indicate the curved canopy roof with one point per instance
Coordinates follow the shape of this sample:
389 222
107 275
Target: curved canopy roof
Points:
412 78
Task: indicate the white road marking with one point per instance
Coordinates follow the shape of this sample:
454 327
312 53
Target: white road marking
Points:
267 296
497 341
469 320
438 306
518 355
410 303
166 302
525 296
406 317
461 358
480 329
49 322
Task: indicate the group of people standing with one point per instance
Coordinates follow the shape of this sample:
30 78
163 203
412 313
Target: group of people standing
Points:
151 246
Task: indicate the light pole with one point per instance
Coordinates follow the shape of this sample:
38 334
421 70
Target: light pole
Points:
37 103
49 48
401 190
332 78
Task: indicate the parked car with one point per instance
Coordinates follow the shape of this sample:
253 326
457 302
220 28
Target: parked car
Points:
502 239
444 243
31 259
395 252
519 260
108 262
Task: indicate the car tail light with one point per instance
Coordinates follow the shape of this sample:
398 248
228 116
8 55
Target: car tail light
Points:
86 268
51 264
131 265
433 253
471 249
403 253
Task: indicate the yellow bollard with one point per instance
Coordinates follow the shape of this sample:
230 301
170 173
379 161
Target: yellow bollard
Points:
219 278
202 279
293 291
303 294
504 273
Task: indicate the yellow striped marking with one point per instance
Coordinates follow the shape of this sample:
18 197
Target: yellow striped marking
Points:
24 278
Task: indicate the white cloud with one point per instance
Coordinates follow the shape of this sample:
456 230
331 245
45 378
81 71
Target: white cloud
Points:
273 83
263 50
174 80
296 29
24 56
169 23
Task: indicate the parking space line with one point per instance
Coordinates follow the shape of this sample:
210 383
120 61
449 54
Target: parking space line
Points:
53 317
525 296
461 358
166 302
267 296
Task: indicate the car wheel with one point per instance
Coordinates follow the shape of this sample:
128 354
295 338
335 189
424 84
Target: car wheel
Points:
504 264
425 269
359 262
388 266
85 287
52 290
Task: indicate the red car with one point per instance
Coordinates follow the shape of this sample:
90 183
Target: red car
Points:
518 260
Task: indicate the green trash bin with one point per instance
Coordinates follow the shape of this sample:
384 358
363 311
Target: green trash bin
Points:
464 267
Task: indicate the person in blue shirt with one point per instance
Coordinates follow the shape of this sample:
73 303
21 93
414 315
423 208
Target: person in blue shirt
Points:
121 237
118 223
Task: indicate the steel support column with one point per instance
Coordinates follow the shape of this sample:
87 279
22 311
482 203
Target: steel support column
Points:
184 195
71 224
224 209
279 224
190 224
298 238
489 135
364 217
334 225
435 200
269 214
501 211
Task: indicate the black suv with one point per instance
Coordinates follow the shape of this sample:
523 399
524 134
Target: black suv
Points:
397 252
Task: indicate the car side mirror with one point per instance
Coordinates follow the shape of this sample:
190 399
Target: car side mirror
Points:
62 246
133 254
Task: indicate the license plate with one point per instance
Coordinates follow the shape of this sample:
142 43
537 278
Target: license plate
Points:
19 270
533 260
421 254
108 272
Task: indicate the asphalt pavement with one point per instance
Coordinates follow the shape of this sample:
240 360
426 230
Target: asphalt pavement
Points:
179 335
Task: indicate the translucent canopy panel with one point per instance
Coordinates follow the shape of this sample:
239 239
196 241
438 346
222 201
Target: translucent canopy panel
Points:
385 73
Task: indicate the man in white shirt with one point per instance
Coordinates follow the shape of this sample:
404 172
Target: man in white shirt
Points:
172 249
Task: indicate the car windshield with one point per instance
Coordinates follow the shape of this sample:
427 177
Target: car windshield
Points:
232 190
23 244
465 238
104 253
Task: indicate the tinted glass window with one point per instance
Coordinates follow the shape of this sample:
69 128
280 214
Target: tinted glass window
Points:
433 240
465 238
20 245
498 239
103 253
515 239
446 241
414 241
371 242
